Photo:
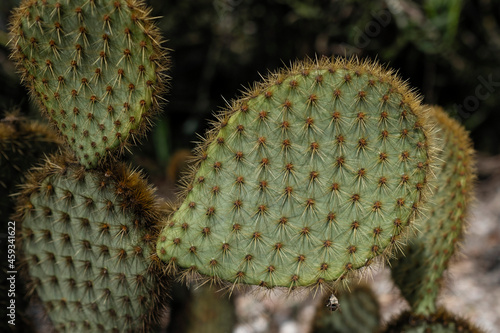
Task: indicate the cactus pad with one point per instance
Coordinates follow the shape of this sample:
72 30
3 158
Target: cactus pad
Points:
22 143
419 272
88 244
439 322
95 66
308 177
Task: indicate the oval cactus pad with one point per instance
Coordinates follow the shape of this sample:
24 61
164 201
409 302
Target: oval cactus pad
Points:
308 177
95 66
88 241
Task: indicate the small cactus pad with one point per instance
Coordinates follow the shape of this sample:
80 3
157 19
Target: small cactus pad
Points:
439 322
308 177
419 272
88 241
96 67
359 312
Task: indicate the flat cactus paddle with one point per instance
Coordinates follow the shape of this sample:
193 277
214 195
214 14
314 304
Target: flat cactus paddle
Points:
22 143
439 322
308 177
419 272
97 68
88 242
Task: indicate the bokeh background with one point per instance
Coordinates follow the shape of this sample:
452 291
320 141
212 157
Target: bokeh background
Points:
448 50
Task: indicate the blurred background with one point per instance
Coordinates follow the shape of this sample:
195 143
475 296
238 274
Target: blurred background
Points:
448 50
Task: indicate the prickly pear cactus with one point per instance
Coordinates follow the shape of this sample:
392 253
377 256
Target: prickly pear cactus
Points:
439 322
308 177
95 66
419 272
359 312
22 143
88 239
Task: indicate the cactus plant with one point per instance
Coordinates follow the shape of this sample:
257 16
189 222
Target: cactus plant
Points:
439 322
307 178
360 312
88 239
22 143
96 67
419 270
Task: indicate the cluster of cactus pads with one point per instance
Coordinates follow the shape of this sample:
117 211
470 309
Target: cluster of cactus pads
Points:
309 179
90 223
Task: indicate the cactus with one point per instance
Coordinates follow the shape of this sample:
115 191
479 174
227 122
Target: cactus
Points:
22 142
88 239
438 322
359 312
307 178
419 272
96 67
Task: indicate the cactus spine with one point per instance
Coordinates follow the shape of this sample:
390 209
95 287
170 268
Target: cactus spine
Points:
306 179
419 272
96 67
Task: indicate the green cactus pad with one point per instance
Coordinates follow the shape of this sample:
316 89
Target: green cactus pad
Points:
439 322
95 66
88 241
359 312
22 143
419 272
308 177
